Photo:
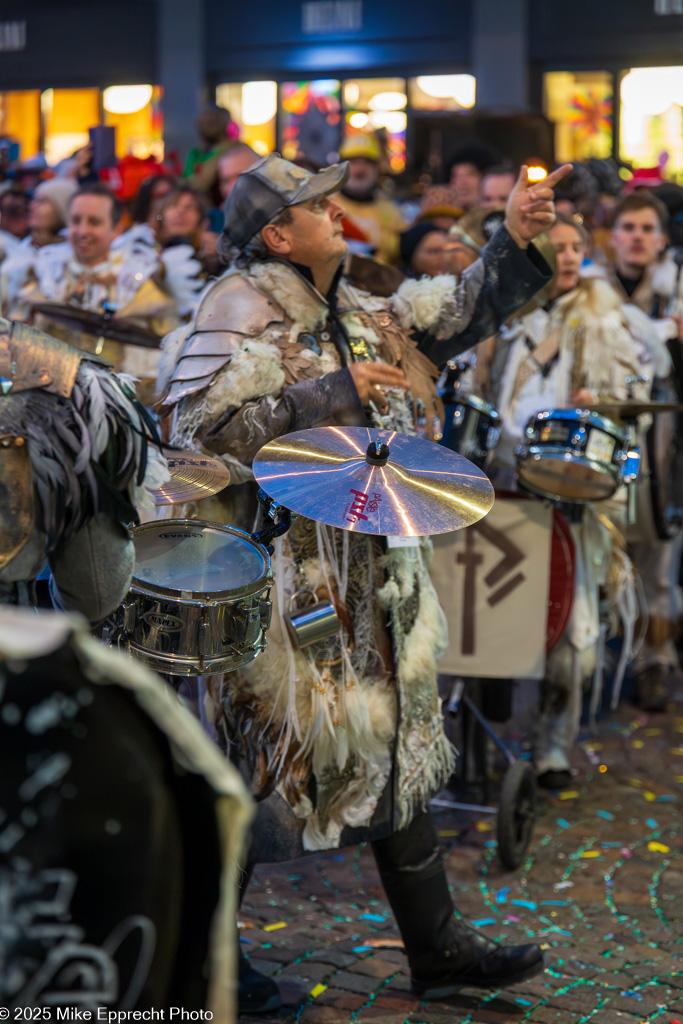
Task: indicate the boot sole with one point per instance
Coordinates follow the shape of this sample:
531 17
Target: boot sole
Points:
274 1003
453 987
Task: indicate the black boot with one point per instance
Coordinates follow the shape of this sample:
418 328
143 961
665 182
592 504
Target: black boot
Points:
256 993
444 954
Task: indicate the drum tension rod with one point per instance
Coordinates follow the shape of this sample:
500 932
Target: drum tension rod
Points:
280 521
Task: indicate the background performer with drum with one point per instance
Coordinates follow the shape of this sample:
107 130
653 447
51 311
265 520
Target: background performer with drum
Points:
568 354
280 343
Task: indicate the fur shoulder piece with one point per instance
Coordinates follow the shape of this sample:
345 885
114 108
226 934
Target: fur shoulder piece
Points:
89 453
293 295
426 304
665 276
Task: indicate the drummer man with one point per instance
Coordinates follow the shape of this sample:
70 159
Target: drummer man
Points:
90 273
283 342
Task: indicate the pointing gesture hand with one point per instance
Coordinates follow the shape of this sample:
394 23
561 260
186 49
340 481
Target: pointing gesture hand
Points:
530 208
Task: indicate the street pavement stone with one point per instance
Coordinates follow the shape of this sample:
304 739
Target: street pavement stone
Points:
600 887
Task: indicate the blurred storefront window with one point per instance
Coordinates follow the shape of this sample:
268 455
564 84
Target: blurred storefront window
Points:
67 114
651 121
379 104
580 105
20 119
253 108
135 112
442 92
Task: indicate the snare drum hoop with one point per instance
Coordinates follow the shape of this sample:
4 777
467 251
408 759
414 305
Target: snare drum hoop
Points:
559 454
583 417
201 597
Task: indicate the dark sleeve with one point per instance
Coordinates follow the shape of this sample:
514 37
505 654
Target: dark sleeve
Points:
489 292
241 432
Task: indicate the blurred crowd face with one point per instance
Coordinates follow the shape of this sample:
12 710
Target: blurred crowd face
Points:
430 255
466 180
161 189
91 228
638 240
182 217
14 214
569 252
230 166
42 216
495 190
363 177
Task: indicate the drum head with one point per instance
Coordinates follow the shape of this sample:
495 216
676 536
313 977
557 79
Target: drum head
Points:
572 479
186 558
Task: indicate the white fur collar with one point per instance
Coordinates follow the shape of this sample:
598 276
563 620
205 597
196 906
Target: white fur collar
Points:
299 301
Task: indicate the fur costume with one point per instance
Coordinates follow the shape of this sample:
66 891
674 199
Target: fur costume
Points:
343 726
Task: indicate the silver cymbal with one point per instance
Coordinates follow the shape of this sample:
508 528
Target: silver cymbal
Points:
401 486
193 476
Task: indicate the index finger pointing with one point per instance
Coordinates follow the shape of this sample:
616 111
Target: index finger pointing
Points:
558 174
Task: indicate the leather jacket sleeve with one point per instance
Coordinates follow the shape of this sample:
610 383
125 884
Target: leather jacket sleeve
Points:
488 293
240 433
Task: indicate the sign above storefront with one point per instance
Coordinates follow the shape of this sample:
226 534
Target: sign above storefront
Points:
12 36
318 17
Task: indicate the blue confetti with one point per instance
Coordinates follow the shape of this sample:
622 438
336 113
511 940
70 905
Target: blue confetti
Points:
361 949
612 845
372 917
525 903
606 815
245 940
502 895
666 798
554 903
523 1002
490 842
562 823
484 920
651 823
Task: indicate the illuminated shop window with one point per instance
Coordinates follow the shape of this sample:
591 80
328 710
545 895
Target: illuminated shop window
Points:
310 120
580 105
378 105
651 124
253 108
135 112
67 116
20 120
442 92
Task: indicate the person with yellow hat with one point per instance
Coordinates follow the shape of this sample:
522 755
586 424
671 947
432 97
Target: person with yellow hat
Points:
368 209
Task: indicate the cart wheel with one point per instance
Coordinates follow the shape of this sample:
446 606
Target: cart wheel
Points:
516 814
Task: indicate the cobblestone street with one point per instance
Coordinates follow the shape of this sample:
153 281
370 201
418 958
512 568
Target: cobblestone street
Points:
601 888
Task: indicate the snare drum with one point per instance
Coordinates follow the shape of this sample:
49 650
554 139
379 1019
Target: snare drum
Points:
471 428
572 455
199 599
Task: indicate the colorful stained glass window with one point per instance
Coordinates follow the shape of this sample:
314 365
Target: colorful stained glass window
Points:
311 120
581 106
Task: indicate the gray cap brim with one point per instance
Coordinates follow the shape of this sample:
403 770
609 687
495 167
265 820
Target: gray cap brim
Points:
323 183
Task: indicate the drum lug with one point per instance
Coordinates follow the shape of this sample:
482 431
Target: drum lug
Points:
204 638
265 611
128 615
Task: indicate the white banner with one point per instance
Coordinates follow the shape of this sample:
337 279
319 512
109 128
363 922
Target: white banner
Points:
493 580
